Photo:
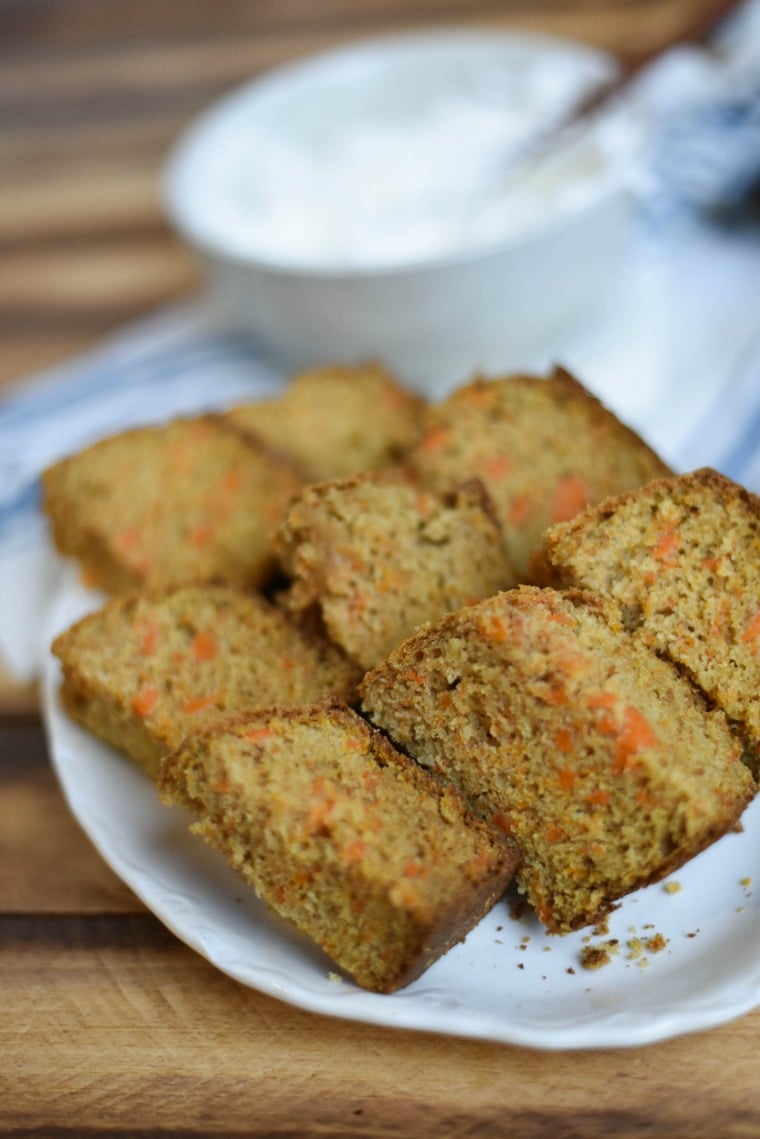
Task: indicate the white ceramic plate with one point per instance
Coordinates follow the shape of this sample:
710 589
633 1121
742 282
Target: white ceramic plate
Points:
507 982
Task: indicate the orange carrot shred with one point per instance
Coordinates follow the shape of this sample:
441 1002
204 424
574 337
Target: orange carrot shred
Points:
415 677
145 700
201 703
570 497
752 631
258 734
493 627
566 778
354 850
667 546
371 780
435 440
598 795
480 862
149 639
556 694
601 700
564 738
634 735
413 869
204 646
562 619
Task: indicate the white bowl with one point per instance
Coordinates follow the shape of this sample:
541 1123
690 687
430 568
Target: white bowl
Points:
477 298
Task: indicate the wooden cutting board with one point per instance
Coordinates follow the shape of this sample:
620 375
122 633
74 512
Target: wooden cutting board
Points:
110 1026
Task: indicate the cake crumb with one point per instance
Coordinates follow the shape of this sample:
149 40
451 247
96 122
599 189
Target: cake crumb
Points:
335 977
656 943
595 956
635 948
745 882
672 887
570 970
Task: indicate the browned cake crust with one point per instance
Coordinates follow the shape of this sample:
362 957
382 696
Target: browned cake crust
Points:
146 669
681 557
194 500
338 420
603 762
377 558
342 835
544 448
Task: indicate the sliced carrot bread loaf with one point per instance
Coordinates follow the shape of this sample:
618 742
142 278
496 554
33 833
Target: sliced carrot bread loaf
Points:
337 421
681 557
377 558
545 448
339 833
195 499
148 668
604 763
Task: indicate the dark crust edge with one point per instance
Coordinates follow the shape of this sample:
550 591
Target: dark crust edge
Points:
467 908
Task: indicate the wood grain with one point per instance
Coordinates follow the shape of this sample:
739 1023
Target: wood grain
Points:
47 865
110 1026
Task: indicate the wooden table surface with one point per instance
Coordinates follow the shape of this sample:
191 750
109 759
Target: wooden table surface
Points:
110 1026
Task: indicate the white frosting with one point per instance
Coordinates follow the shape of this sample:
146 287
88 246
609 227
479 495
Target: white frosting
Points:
406 185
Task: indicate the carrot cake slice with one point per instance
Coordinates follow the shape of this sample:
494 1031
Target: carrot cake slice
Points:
544 448
681 557
193 500
337 420
377 557
605 763
148 668
343 836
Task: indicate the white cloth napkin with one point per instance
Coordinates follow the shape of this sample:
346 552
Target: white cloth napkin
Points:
675 352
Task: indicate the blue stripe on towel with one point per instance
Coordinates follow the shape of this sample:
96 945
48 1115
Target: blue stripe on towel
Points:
180 366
